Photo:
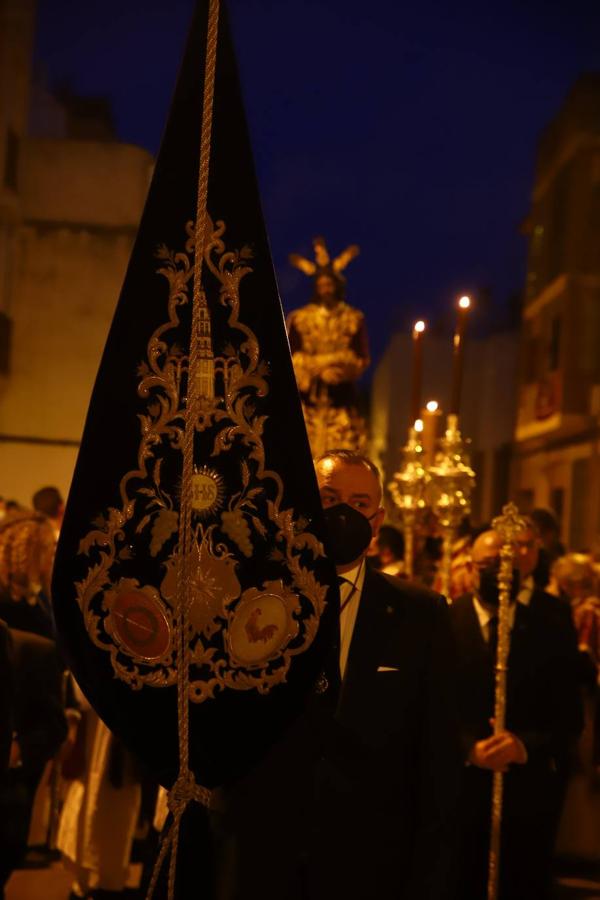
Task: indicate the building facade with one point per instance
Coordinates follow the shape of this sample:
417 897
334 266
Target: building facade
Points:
557 454
71 197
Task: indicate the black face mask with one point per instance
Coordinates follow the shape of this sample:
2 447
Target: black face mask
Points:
488 584
348 533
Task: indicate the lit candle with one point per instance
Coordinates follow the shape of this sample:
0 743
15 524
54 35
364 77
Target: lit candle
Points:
431 426
417 372
458 354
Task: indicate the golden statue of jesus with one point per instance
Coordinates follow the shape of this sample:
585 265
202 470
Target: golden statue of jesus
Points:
330 351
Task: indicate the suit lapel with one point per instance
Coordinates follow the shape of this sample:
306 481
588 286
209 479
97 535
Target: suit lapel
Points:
367 639
474 646
364 641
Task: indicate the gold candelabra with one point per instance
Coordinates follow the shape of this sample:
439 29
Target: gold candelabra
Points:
446 485
451 481
508 526
407 488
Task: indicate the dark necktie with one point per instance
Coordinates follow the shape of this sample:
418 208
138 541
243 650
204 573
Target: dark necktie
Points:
342 582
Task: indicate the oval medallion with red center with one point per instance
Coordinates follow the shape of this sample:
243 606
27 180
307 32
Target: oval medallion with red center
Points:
140 625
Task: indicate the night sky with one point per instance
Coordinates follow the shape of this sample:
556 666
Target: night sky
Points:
408 128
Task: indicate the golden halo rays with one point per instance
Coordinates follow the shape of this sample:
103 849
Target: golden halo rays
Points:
208 492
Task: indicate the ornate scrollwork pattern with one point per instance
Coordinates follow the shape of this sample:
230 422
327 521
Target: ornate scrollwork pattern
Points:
242 635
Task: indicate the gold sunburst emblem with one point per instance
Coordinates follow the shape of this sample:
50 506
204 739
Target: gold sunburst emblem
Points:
208 491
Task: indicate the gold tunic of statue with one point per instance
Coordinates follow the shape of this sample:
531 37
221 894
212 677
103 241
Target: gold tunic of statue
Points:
328 340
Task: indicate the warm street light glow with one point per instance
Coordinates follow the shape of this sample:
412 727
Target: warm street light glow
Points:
432 406
419 326
418 425
464 302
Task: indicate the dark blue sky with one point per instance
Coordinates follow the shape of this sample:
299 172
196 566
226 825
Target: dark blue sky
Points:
408 128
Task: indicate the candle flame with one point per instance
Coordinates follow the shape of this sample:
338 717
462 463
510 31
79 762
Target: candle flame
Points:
418 426
419 327
464 302
432 406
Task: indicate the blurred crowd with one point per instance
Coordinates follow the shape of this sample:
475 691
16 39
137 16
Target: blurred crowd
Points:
70 790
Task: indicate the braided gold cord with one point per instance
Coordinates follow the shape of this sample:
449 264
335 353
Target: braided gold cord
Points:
185 789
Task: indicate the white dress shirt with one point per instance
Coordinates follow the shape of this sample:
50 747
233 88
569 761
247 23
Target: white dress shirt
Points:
351 588
524 595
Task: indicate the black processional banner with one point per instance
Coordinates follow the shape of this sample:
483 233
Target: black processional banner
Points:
190 561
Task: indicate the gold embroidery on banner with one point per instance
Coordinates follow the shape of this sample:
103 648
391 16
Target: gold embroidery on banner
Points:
207 491
241 635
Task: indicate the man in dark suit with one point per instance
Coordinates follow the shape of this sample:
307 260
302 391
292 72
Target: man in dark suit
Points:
543 718
358 800
39 727
531 593
386 781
